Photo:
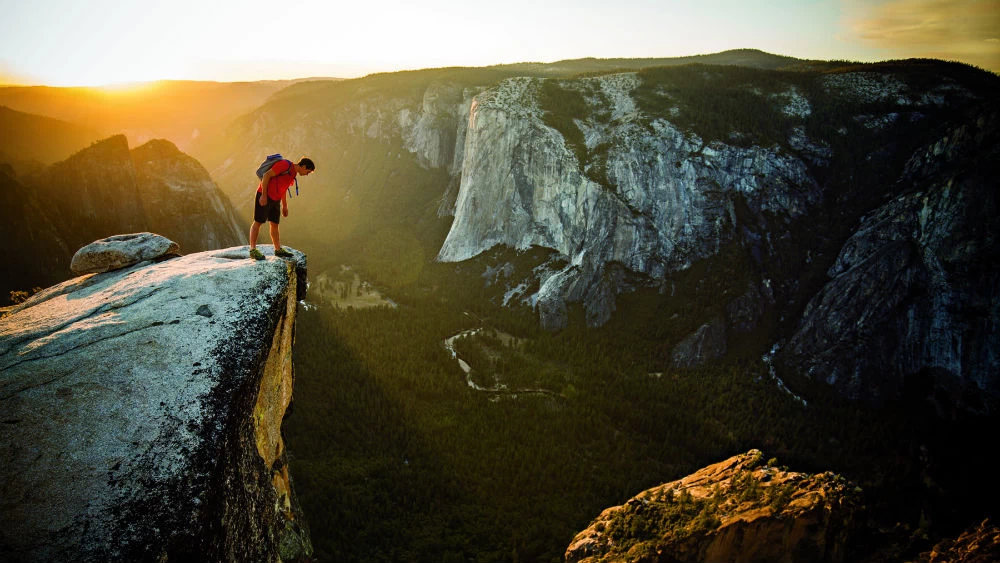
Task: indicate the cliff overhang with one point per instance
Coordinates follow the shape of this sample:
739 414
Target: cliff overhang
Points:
142 412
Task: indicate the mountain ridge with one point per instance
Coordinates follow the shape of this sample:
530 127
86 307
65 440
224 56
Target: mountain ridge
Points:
181 111
32 137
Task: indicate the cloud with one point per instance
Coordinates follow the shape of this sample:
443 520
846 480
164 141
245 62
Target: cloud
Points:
965 30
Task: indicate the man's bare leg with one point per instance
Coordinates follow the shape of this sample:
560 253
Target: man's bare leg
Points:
254 232
275 235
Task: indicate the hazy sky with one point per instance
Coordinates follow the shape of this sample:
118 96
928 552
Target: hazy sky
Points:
91 42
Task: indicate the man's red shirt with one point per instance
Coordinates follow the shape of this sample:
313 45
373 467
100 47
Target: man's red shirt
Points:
284 177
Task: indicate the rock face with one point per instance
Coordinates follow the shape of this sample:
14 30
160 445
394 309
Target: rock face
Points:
181 201
624 186
738 510
662 206
142 412
707 343
628 198
911 296
979 544
92 194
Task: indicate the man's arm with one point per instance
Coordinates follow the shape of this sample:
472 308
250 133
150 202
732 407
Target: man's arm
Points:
284 204
264 182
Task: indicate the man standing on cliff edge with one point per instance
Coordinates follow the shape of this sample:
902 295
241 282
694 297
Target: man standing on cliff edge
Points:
265 202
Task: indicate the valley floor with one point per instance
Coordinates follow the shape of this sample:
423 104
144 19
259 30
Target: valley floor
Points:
412 438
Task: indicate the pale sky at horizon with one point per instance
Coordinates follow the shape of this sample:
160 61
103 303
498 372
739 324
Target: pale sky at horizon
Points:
72 43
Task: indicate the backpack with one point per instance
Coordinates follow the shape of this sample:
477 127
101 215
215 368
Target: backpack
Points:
270 161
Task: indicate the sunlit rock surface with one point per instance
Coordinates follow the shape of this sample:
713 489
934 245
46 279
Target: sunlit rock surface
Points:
668 200
142 411
739 510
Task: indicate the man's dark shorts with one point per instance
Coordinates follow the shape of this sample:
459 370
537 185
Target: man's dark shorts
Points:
264 213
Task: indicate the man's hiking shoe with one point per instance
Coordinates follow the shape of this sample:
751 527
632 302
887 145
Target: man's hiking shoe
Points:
281 252
256 254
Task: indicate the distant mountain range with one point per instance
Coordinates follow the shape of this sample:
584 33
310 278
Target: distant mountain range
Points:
181 111
29 138
752 58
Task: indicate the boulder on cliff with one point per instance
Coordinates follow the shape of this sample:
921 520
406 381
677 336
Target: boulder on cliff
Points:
142 412
120 251
738 510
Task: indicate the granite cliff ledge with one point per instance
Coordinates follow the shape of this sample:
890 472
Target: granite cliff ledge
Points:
142 412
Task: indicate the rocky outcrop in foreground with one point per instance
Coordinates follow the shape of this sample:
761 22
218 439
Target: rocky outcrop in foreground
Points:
142 412
979 544
738 510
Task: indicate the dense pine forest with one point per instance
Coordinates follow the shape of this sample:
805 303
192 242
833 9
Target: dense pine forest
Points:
396 457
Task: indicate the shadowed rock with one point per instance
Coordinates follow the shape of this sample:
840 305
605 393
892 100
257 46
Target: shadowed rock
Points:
912 294
978 544
707 343
142 414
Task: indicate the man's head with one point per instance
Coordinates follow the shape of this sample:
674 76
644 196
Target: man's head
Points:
305 166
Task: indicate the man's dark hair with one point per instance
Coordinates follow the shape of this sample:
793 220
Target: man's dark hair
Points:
308 163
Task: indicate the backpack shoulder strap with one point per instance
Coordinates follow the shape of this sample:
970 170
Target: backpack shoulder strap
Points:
294 177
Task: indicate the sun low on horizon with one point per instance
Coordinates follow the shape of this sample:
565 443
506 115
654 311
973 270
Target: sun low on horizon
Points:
69 43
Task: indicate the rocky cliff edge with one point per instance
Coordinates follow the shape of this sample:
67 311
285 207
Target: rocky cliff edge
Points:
141 414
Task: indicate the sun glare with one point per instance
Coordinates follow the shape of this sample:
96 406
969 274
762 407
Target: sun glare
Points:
129 88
